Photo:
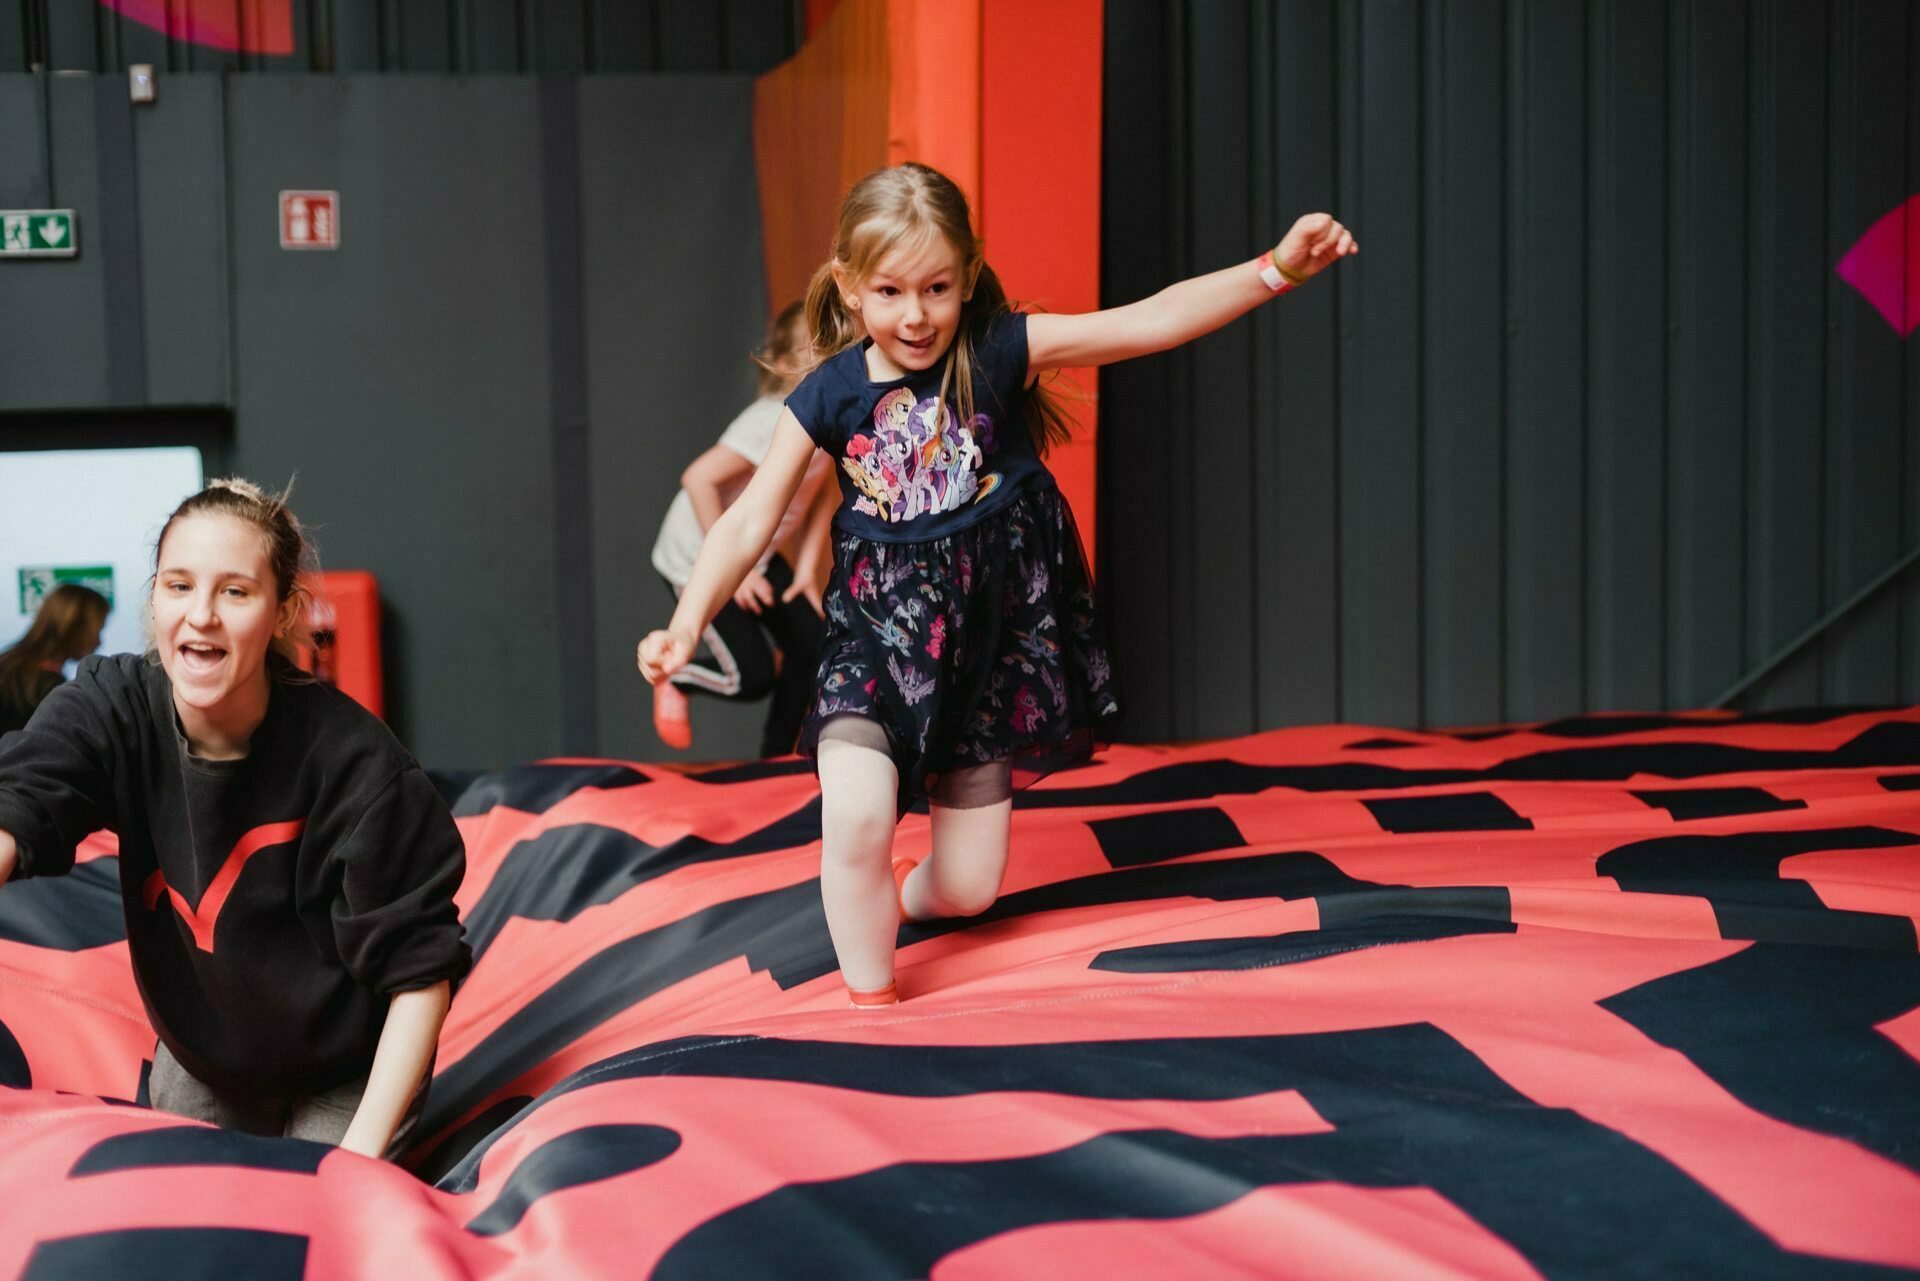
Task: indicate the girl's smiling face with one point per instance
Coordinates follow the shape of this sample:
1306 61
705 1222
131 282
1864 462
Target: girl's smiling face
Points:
910 304
216 609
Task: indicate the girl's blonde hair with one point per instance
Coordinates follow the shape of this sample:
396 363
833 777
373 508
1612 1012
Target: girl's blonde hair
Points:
909 206
290 553
65 616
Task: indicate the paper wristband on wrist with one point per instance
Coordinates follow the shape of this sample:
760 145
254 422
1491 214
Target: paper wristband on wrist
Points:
1276 277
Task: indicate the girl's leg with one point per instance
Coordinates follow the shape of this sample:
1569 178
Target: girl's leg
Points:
971 812
857 787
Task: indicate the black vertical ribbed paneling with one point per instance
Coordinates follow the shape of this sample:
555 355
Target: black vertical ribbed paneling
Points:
1180 465
20 37
1297 349
1545 412
1787 291
490 37
1220 555
1910 491
537 36
1137 403
1706 387
1864 375
1380 455
1591 423
1462 288
73 36
1626 333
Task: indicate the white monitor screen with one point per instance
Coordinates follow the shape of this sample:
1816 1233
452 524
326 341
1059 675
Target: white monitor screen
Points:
88 516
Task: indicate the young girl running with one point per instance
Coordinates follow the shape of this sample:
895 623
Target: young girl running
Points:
288 870
780 600
961 644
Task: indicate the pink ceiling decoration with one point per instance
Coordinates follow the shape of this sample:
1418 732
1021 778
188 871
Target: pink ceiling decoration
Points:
244 26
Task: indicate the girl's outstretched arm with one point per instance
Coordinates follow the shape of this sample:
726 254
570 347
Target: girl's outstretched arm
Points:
733 546
1180 313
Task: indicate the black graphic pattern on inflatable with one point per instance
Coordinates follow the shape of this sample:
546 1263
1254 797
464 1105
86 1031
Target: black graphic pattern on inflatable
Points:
1604 996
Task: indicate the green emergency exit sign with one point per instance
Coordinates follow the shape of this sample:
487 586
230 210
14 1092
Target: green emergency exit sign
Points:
38 233
37 580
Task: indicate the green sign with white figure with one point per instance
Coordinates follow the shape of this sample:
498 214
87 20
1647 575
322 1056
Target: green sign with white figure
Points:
38 233
37 580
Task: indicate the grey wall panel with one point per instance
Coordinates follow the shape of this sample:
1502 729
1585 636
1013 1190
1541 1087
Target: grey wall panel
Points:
1462 489
403 378
1706 462
25 174
180 157
62 359
1380 449
1864 357
1297 454
675 300
1601 429
1789 290
117 243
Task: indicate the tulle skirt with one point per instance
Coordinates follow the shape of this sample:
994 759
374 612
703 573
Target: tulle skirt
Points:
968 649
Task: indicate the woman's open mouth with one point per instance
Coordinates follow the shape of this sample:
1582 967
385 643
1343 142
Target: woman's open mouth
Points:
199 657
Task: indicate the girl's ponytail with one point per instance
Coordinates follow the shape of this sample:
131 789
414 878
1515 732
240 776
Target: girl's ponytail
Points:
833 327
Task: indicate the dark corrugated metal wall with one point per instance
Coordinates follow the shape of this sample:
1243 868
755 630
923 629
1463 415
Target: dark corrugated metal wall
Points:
549 36
1590 424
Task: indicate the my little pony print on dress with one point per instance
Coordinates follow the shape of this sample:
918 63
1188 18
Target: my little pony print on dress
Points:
919 461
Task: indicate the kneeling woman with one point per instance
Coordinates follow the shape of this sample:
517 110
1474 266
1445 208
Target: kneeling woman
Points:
288 871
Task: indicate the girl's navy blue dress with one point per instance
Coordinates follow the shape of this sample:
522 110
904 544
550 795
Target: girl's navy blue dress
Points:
960 612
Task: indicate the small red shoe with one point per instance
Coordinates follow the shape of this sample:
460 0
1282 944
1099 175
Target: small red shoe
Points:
879 996
670 716
902 869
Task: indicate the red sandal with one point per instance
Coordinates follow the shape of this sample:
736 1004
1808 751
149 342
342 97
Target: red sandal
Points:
902 869
879 996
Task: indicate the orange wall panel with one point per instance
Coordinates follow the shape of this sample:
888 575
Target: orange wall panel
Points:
820 121
1040 184
1001 95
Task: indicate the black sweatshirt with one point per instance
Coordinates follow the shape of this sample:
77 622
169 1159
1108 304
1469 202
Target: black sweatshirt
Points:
273 904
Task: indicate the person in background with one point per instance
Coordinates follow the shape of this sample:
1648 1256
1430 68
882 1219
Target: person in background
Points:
66 627
287 868
766 639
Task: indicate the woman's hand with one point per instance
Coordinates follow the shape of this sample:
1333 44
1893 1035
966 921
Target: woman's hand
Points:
810 581
663 653
9 855
754 594
1315 243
